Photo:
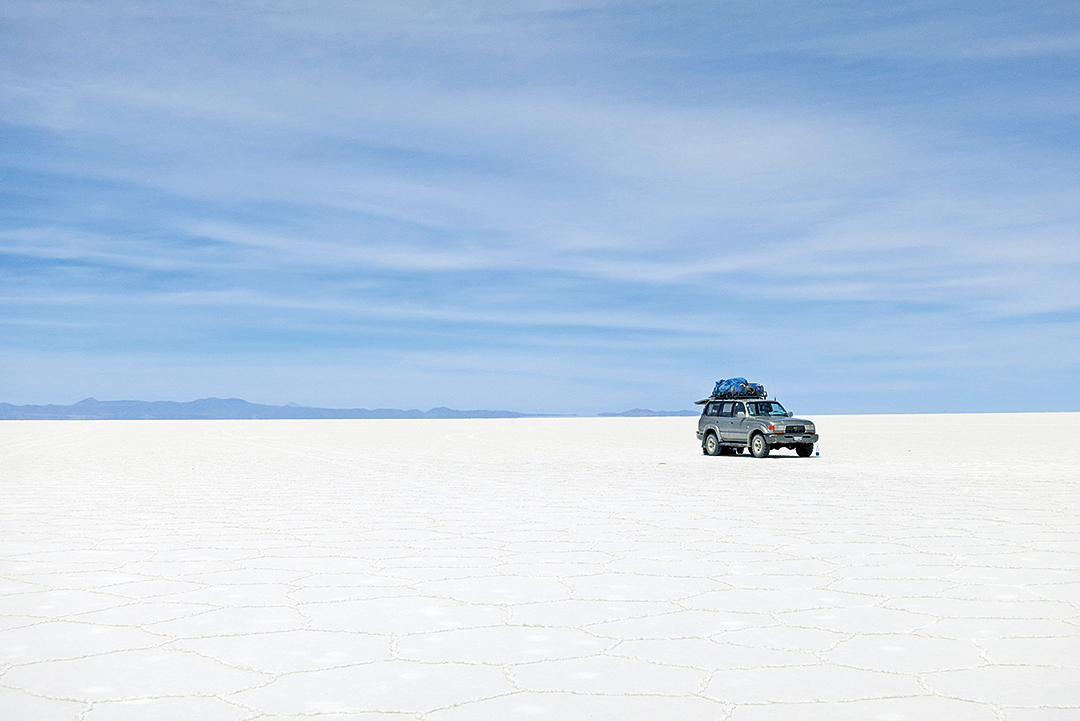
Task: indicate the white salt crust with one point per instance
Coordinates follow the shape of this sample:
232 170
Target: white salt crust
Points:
923 567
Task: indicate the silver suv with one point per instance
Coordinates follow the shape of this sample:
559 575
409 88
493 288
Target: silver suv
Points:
727 426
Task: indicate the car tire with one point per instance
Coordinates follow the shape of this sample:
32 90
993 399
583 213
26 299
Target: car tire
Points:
804 449
759 447
711 446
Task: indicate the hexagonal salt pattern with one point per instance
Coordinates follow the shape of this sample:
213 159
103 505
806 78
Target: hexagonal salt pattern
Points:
604 569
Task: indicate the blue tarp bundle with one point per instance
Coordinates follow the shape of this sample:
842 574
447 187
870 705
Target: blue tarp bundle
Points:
738 388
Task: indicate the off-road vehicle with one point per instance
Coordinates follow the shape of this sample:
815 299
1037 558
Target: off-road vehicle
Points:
728 425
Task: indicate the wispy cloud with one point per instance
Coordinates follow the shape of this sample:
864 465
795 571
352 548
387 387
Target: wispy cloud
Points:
660 192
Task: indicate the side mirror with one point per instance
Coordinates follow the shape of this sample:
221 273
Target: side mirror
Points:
789 414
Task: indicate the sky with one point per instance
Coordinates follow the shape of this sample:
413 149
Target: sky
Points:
555 206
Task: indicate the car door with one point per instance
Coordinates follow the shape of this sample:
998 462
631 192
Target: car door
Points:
708 419
739 423
723 422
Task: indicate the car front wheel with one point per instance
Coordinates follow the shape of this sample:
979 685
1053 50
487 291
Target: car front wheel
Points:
804 449
759 447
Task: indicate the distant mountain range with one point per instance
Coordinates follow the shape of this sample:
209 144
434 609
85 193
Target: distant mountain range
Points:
235 408
645 412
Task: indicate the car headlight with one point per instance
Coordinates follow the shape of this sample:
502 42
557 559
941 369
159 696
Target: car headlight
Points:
775 429
810 428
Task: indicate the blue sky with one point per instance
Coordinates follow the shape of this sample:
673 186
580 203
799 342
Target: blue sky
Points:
557 206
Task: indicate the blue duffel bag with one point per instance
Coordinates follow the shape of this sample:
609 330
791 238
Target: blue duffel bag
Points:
729 387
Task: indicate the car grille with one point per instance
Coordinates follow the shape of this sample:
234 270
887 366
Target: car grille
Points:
795 429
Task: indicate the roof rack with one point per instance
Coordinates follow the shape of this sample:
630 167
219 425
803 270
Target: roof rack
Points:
703 401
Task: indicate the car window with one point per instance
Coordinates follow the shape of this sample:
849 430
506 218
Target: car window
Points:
739 408
712 409
766 408
726 412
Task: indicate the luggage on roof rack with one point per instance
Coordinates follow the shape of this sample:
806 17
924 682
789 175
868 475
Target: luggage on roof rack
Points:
738 388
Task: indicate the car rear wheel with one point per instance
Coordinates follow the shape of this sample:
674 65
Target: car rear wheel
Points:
759 447
804 449
712 445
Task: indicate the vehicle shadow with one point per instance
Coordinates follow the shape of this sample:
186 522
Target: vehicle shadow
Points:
771 456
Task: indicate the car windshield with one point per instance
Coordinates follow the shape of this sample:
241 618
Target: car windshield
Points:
767 408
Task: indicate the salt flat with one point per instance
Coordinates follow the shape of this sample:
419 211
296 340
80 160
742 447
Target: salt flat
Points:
923 567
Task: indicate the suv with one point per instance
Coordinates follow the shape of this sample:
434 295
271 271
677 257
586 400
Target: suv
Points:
728 425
